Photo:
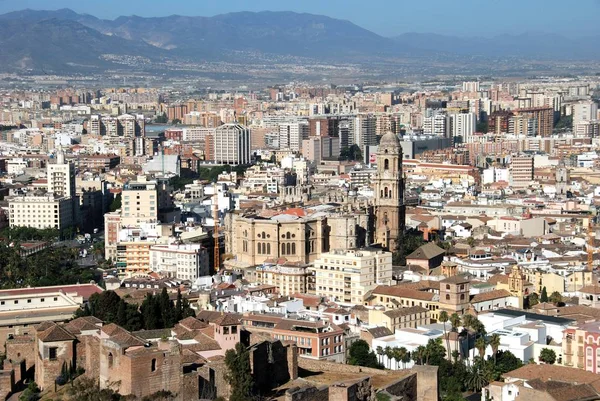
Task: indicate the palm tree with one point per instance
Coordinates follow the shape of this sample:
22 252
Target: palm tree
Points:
455 323
481 345
467 322
443 319
388 354
402 353
495 344
396 355
419 354
379 351
476 378
479 329
406 358
455 355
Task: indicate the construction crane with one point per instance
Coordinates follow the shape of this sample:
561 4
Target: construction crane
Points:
215 210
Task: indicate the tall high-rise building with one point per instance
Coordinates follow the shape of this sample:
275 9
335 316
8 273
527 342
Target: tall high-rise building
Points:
584 111
230 144
543 119
61 176
436 125
292 134
462 125
521 171
498 122
470 86
390 210
364 130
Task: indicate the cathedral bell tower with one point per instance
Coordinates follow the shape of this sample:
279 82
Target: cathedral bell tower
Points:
389 194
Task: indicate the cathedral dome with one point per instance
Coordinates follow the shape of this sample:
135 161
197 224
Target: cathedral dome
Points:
389 140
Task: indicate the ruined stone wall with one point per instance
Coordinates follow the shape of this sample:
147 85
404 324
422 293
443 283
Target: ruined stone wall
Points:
427 382
46 369
92 356
405 388
307 394
358 391
21 348
324 366
6 383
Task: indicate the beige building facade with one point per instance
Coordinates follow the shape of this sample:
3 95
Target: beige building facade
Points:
347 275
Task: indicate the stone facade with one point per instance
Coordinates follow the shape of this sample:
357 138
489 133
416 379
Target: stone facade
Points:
390 210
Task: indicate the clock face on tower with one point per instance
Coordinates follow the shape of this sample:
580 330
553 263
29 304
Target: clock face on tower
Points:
389 193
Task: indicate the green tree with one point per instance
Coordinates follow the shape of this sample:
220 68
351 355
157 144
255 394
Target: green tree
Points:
419 355
31 393
435 352
455 322
481 345
360 354
533 299
478 376
238 374
352 153
555 297
388 354
443 318
506 361
379 351
161 119
548 356
544 296
495 344
482 127
116 203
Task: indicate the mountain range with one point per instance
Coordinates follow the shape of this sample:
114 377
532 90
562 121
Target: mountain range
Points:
64 41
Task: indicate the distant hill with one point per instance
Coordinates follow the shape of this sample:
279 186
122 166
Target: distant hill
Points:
64 40
526 45
57 45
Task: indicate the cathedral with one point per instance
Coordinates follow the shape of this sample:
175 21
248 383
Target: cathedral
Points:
390 209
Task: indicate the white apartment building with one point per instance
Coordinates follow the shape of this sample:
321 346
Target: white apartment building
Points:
463 125
470 86
139 202
436 125
292 134
584 111
47 211
347 275
61 176
364 130
197 134
231 145
181 261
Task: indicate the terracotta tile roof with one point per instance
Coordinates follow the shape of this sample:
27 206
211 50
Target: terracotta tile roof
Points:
399 312
219 318
401 292
83 323
191 323
427 251
488 296
590 289
55 333
378 332
553 372
458 279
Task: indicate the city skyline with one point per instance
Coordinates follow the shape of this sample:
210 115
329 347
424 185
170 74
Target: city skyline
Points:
382 17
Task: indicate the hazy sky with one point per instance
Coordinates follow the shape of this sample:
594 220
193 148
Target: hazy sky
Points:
386 17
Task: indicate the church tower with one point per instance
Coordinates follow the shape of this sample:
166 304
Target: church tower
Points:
389 194
562 178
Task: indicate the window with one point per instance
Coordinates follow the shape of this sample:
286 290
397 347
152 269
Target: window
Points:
111 360
447 296
153 366
386 164
447 286
462 297
52 353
